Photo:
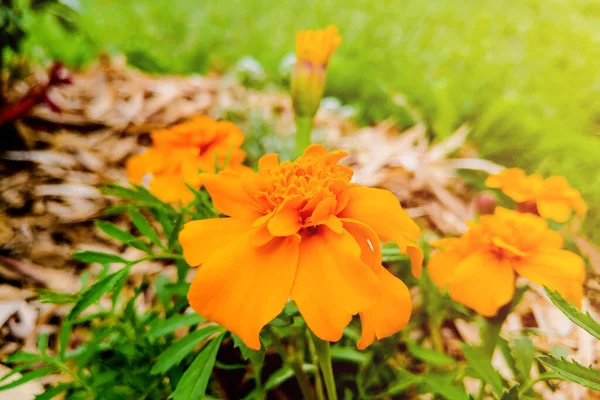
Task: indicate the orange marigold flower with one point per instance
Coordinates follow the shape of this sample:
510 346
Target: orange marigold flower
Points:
552 198
179 153
317 46
314 48
479 268
301 231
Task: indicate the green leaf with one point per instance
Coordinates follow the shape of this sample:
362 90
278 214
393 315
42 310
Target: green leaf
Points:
114 231
281 375
89 257
404 380
439 385
172 240
194 381
585 321
429 356
350 354
573 371
121 235
523 352
505 349
53 391
96 291
42 342
63 338
482 365
50 297
142 224
162 327
21 356
511 394
175 353
257 357
38 373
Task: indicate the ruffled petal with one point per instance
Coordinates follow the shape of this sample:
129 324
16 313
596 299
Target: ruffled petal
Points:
267 162
367 239
242 287
171 189
483 283
382 211
332 283
228 195
390 314
442 265
200 239
555 209
559 270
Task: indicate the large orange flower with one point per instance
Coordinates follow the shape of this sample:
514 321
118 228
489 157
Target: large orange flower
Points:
301 231
179 153
479 268
553 198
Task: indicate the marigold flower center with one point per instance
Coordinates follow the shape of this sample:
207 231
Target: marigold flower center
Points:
303 185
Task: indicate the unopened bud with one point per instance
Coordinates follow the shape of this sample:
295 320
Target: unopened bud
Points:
485 203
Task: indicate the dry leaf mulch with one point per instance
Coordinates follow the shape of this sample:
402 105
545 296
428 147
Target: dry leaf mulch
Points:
49 191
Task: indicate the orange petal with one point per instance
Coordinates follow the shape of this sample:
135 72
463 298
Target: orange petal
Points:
171 189
416 259
442 265
285 222
315 151
242 287
332 283
370 246
483 282
323 210
390 314
136 169
558 270
267 162
557 210
382 211
200 239
228 195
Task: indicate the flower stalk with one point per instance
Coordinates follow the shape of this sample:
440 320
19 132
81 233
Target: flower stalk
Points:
323 351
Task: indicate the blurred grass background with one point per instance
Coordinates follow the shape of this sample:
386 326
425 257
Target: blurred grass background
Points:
525 73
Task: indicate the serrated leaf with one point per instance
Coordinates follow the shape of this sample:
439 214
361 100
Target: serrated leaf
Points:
429 356
511 394
446 390
162 327
504 348
257 357
523 352
482 365
175 353
142 224
283 374
89 257
584 320
21 356
121 235
96 291
404 380
573 371
38 373
194 381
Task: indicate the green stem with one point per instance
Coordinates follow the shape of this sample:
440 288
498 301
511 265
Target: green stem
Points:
323 351
543 377
436 334
491 330
296 365
304 127
315 360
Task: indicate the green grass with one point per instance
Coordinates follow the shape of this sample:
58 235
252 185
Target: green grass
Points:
526 73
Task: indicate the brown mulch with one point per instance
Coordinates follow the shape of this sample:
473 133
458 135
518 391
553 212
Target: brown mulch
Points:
49 190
